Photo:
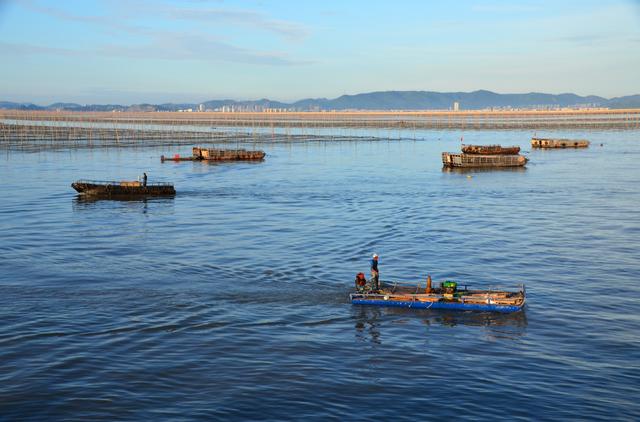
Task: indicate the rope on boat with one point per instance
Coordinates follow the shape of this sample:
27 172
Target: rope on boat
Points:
413 300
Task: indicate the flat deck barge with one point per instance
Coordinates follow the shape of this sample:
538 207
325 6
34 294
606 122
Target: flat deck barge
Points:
214 154
559 143
450 159
448 296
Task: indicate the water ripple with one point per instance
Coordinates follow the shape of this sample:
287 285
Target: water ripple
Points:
230 301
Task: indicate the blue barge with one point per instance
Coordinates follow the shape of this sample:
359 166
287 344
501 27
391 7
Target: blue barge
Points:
447 296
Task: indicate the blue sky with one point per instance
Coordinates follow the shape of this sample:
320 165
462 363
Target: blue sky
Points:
128 51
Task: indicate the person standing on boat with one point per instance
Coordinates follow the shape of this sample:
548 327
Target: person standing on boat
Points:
375 274
144 179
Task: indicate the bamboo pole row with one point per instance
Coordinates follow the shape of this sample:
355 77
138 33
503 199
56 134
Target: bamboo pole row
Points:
28 128
315 120
39 137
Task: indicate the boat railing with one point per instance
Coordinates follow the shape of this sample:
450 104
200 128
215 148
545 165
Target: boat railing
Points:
120 183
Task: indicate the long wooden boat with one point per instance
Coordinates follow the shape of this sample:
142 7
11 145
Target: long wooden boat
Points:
110 189
450 159
559 143
214 154
448 296
490 150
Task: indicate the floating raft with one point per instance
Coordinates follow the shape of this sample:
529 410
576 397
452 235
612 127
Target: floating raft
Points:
490 150
213 154
450 159
110 189
559 143
448 296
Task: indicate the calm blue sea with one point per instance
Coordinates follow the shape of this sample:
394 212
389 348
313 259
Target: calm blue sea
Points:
230 301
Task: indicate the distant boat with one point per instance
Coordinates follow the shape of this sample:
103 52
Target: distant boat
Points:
448 296
490 150
214 154
450 159
111 189
484 156
559 143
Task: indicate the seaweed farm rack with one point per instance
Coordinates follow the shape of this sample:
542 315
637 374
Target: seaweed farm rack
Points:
478 119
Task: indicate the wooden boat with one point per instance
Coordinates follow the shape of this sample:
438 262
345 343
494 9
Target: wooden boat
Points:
450 159
559 143
490 150
213 154
448 296
111 189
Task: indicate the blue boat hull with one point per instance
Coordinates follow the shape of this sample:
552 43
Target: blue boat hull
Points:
439 305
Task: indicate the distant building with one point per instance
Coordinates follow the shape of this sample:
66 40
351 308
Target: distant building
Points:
456 106
201 107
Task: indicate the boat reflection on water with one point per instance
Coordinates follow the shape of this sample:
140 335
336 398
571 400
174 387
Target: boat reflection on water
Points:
370 321
464 170
88 202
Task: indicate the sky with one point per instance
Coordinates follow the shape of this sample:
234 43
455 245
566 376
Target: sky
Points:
155 51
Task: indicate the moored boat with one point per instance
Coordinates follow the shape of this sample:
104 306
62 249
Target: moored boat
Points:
448 296
484 156
463 160
490 150
559 143
214 154
122 189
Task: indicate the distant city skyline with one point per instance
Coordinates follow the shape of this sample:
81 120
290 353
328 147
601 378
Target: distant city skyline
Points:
192 51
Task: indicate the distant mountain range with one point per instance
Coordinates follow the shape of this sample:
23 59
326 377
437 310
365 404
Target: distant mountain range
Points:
386 100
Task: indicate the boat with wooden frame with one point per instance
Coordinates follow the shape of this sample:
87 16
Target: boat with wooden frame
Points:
113 189
490 150
484 156
551 143
214 154
453 160
449 295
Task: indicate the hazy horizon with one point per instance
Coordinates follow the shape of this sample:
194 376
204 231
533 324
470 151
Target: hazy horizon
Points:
97 52
187 101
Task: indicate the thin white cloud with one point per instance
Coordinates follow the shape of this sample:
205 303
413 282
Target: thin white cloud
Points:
162 48
249 18
176 46
505 7
587 39
163 44
30 49
168 45
128 11
62 14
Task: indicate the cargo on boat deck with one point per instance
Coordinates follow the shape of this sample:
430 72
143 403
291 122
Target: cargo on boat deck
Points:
490 150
